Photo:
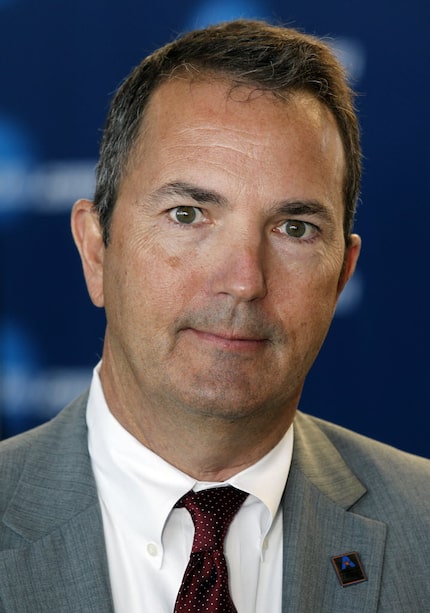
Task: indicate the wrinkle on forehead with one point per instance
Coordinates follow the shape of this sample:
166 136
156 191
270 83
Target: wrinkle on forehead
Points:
216 130
206 110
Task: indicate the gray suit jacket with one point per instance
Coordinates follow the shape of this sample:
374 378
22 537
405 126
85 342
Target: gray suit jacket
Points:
344 494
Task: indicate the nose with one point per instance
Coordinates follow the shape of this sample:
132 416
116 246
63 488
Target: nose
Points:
239 269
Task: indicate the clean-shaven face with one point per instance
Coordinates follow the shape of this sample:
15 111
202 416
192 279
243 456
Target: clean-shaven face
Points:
227 253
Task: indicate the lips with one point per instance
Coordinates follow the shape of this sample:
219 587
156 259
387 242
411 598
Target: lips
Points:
244 326
228 340
231 337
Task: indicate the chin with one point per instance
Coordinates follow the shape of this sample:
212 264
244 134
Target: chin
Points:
229 407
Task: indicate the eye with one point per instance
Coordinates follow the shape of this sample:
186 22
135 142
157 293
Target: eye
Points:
297 229
185 214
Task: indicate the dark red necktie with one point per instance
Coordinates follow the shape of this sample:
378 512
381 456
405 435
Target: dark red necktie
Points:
205 583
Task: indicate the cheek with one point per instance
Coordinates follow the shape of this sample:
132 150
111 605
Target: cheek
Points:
315 277
153 285
307 299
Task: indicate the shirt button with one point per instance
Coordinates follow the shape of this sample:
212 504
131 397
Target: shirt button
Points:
152 549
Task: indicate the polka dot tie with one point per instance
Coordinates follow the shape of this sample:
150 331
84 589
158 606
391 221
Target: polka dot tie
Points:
204 588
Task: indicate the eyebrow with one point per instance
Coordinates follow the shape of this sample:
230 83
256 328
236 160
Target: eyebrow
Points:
188 191
301 207
202 196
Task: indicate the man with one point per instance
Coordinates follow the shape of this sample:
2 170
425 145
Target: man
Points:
218 243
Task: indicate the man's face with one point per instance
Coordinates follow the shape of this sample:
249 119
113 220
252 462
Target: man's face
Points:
226 254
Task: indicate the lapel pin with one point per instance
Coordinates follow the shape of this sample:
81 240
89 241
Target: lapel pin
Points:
348 568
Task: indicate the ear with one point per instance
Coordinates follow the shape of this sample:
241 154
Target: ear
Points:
89 241
352 253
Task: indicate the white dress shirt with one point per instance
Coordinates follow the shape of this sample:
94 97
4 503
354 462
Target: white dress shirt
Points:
149 543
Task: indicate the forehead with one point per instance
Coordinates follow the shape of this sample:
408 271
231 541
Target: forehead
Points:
196 127
183 100
184 97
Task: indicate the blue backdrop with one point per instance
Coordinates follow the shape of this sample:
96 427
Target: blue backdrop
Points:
60 63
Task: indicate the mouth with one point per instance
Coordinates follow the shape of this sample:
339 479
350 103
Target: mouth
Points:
236 341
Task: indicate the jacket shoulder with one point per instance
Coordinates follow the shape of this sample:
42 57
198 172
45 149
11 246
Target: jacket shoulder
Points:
399 481
41 445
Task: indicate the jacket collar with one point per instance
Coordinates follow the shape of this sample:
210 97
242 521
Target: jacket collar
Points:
56 501
57 482
320 523
55 525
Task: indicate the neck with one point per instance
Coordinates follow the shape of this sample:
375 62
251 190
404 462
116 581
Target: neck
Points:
206 447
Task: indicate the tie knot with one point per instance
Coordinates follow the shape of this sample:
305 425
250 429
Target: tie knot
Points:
212 512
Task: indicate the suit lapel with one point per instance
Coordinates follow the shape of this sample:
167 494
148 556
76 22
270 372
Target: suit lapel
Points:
319 524
58 553
55 519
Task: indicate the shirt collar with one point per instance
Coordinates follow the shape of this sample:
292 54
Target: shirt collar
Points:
132 481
